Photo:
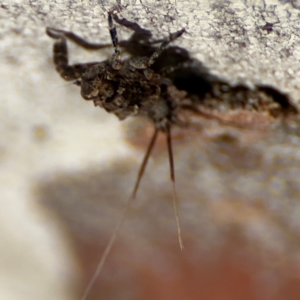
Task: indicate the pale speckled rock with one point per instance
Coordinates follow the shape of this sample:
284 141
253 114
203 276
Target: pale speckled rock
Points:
59 152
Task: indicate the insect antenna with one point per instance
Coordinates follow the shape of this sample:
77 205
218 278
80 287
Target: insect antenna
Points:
62 86
116 62
172 176
123 216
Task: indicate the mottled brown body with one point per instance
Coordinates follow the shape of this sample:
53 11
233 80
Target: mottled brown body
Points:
124 88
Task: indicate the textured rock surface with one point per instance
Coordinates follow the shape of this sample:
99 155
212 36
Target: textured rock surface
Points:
67 168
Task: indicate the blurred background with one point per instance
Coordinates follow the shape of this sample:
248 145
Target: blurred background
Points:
68 168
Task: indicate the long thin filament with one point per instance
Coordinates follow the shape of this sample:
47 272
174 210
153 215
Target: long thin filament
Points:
124 214
172 175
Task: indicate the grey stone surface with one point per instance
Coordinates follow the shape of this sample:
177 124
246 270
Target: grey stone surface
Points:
47 129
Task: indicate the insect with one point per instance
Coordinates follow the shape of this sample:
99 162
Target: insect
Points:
125 88
140 86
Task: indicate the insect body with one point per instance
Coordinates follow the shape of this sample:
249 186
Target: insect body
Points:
125 88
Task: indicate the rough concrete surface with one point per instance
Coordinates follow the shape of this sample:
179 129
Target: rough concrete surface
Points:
67 168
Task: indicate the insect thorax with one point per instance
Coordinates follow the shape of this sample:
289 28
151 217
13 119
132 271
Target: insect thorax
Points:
126 92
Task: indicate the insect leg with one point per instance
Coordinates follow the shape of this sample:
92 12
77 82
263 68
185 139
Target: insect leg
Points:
172 176
143 62
139 33
61 57
172 37
76 39
124 214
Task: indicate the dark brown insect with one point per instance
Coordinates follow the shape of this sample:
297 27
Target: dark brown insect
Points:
125 88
